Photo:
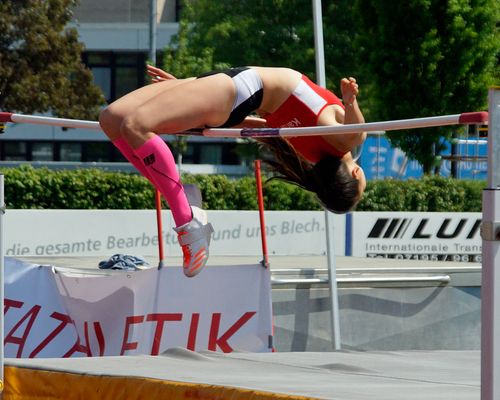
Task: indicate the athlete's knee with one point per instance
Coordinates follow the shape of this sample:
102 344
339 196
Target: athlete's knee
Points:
110 120
132 126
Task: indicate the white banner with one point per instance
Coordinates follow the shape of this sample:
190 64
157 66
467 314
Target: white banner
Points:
412 235
436 236
35 321
225 308
107 232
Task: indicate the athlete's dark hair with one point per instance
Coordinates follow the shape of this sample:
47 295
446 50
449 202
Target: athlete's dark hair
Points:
329 178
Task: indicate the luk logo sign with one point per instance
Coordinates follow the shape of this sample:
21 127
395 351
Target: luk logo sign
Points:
419 228
420 236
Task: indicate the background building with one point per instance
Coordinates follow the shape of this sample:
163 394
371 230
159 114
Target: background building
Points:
117 42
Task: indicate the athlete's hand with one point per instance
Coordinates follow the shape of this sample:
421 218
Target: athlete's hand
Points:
349 89
158 75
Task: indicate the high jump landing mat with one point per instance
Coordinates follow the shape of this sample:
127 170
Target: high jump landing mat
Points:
182 374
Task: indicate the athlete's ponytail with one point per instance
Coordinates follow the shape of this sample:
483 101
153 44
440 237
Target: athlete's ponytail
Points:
329 179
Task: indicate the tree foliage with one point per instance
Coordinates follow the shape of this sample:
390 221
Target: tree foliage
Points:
415 58
179 58
269 33
40 61
427 57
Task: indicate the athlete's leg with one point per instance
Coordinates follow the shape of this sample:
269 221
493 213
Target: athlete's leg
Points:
159 164
187 220
180 107
206 101
195 103
128 152
111 118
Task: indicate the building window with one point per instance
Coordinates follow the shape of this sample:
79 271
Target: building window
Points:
188 157
97 152
100 65
15 151
116 156
126 80
211 154
70 152
116 73
102 78
42 151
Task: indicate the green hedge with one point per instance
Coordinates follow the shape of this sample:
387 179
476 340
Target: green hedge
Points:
426 194
27 187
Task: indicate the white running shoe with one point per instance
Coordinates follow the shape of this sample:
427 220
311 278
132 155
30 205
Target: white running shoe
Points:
194 238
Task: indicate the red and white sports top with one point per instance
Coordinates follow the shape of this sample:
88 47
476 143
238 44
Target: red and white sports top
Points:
303 108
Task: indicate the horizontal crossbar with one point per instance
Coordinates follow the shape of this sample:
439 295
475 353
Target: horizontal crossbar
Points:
479 118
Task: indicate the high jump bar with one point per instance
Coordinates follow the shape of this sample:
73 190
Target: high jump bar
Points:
469 118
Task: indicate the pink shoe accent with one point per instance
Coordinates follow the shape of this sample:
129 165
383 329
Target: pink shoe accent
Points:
159 163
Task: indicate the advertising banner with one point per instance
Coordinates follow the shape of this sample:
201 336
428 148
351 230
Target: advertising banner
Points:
108 232
433 236
35 321
50 314
380 160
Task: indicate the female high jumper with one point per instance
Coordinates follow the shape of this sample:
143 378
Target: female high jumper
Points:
279 97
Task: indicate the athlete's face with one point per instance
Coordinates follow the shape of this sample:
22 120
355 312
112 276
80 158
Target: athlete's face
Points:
358 173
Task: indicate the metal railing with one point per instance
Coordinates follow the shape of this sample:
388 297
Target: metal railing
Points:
438 279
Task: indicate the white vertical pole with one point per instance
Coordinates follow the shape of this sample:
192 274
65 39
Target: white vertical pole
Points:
152 31
2 211
490 233
332 280
330 247
318 43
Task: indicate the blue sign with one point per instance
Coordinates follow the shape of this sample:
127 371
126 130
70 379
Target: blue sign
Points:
380 160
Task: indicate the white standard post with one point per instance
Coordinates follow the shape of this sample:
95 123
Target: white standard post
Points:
318 43
490 233
153 20
2 211
330 248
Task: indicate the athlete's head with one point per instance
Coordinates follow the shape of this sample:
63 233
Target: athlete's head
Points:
338 183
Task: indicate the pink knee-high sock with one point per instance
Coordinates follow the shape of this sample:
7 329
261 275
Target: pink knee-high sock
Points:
128 152
159 163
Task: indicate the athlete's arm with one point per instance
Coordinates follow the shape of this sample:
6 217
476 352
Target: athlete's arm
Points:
350 90
350 115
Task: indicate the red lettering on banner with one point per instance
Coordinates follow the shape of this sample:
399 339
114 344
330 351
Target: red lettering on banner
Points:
137 319
8 303
214 341
65 320
160 319
99 335
86 335
77 348
21 341
87 349
193 330
100 338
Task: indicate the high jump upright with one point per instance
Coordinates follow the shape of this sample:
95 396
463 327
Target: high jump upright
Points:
490 233
2 211
329 228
